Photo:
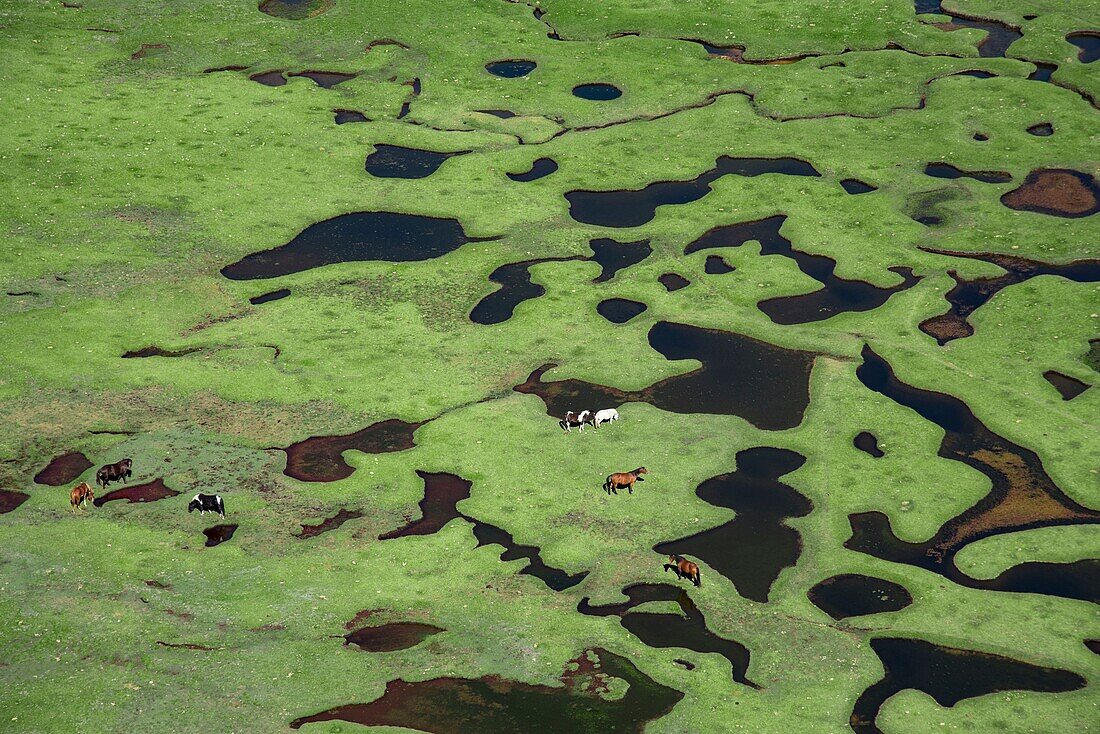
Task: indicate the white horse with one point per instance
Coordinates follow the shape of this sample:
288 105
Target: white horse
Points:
605 416
575 419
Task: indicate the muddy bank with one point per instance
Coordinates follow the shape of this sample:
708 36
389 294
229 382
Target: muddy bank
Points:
760 382
541 168
218 534
688 630
868 444
673 281
854 595
295 9
358 237
632 208
392 636
515 288
329 523
969 295
1022 497
395 161
319 458
63 469
494 705
1059 192
1068 387
155 351
752 549
949 675
619 310
837 295
10 500
148 492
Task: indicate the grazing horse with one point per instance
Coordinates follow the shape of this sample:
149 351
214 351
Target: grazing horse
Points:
684 568
604 416
114 472
624 480
206 503
572 420
80 495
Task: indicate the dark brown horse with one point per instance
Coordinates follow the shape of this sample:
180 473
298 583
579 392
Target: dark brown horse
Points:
81 494
624 480
114 472
684 568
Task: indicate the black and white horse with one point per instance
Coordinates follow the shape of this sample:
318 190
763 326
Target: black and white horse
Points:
575 420
207 503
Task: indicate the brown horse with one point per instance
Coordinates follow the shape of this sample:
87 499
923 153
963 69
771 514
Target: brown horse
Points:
684 568
81 494
624 480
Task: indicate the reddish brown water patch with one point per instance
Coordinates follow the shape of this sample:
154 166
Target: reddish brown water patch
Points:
760 382
493 705
442 493
345 116
687 630
968 295
1059 192
1068 387
946 170
854 595
218 534
295 9
673 281
325 79
63 469
185 645
868 444
319 458
949 675
148 492
837 295
155 351
1022 496
273 78
9 500
330 523
392 636
752 549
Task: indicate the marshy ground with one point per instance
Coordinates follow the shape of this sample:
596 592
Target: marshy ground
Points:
881 445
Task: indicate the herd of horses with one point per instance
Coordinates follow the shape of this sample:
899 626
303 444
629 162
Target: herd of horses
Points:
120 471
684 568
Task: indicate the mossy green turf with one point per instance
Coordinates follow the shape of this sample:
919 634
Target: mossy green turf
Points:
131 182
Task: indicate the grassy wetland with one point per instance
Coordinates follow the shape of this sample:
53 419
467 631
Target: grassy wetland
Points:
346 264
